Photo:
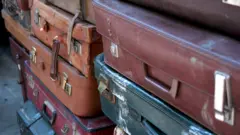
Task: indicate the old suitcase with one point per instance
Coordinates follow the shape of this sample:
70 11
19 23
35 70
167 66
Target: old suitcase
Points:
72 88
19 11
80 42
218 14
193 69
84 7
19 55
136 111
62 119
26 116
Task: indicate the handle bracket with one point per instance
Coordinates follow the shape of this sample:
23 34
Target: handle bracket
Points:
223 107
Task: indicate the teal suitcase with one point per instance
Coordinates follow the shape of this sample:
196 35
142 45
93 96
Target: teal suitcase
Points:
136 111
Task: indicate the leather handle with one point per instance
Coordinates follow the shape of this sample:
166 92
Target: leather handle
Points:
54 64
150 129
172 91
50 119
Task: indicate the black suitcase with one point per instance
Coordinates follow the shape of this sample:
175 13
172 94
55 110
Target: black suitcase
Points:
218 14
26 116
136 111
30 121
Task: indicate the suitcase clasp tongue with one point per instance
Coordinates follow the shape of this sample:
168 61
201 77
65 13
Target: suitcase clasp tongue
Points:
224 110
103 89
114 50
33 57
66 86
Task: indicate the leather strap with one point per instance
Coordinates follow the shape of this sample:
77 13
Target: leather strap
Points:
54 64
70 30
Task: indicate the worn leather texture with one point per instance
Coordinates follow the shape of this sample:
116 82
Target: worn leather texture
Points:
214 14
156 51
72 6
83 99
19 55
132 106
22 16
39 94
84 45
23 4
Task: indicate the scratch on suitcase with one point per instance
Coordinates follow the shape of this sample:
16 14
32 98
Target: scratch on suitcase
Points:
123 116
209 45
205 115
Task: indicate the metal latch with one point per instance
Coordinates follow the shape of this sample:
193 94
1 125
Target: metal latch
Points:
66 86
114 50
103 89
36 17
232 2
33 57
77 47
65 129
224 110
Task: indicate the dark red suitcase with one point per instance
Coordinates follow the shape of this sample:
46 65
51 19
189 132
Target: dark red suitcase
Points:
218 14
191 68
63 121
19 55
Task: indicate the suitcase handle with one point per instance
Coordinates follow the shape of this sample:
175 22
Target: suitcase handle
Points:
48 105
160 86
150 129
54 64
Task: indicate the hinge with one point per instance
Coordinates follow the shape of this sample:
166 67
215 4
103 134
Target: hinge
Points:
65 85
232 2
224 110
33 57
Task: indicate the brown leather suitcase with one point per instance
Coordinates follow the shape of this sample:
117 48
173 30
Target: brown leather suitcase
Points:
80 42
75 91
61 119
218 14
193 69
84 7
19 55
19 10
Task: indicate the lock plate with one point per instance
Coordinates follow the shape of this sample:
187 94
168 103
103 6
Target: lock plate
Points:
36 17
223 107
33 57
77 47
66 86
232 2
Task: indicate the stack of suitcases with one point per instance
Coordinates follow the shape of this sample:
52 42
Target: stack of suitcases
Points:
153 67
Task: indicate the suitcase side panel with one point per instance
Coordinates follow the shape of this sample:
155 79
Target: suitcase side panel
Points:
82 94
19 55
82 31
98 125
